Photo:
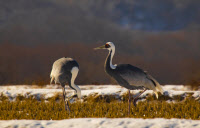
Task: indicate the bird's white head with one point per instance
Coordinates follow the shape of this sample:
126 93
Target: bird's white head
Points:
109 45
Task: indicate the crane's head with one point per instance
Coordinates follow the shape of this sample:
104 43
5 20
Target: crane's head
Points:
108 45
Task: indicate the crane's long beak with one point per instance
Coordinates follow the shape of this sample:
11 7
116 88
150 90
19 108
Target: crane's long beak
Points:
101 47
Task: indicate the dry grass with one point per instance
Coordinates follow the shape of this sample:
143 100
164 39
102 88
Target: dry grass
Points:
98 106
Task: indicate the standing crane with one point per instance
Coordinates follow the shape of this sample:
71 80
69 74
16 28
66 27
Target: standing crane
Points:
65 70
129 76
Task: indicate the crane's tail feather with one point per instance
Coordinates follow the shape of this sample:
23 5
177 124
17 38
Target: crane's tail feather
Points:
158 87
52 79
156 93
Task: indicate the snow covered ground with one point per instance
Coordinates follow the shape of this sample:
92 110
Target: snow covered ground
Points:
50 90
102 123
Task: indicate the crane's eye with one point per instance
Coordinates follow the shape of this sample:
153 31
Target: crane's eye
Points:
107 46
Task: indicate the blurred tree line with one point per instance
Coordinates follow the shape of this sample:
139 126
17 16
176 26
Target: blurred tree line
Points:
170 57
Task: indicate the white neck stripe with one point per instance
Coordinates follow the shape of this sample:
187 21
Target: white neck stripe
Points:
74 72
112 54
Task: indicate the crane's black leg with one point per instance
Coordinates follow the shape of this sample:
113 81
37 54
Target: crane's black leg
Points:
129 101
136 98
63 89
65 102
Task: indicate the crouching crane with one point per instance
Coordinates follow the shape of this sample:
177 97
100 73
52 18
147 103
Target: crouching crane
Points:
65 70
129 76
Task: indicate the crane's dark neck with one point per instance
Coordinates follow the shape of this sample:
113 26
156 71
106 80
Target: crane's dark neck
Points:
108 63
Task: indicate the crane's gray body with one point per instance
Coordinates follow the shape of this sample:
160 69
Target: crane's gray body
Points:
129 76
62 71
66 70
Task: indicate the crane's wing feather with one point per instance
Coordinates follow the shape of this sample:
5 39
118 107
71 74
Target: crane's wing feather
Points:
133 75
136 77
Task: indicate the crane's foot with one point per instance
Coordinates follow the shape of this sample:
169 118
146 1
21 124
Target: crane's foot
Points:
69 98
134 102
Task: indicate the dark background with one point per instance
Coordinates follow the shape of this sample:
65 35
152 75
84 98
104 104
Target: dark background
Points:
160 36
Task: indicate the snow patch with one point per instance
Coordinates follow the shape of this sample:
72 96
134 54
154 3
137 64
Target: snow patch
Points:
51 90
103 123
